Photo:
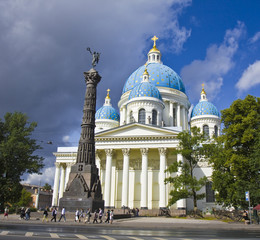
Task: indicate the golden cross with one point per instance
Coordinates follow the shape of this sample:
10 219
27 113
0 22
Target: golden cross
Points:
154 40
203 85
108 90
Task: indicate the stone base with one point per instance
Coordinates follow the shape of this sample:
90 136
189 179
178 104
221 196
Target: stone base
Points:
71 204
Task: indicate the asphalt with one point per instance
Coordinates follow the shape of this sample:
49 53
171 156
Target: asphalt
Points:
141 223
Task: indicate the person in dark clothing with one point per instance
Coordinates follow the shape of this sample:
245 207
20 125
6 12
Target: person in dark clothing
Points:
108 216
54 214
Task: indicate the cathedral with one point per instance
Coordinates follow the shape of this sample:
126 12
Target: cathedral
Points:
134 147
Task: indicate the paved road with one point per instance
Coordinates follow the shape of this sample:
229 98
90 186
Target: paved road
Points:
138 229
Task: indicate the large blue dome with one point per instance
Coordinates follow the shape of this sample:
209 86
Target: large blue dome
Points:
204 108
107 112
145 89
160 76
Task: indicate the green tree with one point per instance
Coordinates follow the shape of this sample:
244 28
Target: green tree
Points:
185 184
236 154
25 199
47 187
16 155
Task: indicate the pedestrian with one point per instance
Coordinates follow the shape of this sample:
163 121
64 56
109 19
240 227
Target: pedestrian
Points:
6 211
63 214
77 216
95 216
107 216
81 215
22 214
88 215
111 216
45 215
27 213
137 212
100 215
245 216
54 214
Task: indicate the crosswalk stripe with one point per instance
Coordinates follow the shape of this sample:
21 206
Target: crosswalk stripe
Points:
80 236
29 234
4 233
54 235
135 238
107 237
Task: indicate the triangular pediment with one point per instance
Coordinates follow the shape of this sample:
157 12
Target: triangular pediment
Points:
137 130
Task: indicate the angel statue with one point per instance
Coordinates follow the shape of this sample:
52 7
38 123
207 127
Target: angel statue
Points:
95 57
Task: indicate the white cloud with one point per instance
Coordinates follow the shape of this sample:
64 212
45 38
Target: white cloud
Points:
47 176
66 138
218 61
250 77
255 38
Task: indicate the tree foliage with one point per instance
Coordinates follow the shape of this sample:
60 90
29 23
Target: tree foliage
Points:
25 199
47 187
185 184
16 155
236 154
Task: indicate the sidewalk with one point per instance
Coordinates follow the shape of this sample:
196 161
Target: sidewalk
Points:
138 223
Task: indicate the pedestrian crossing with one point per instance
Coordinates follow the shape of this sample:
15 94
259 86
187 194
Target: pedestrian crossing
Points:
81 236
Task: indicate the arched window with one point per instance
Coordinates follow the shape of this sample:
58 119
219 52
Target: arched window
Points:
216 131
149 58
210 194
141 116
206 131
154 117
153 57
157 57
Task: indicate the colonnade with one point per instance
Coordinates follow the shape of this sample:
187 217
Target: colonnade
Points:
181 113
61 179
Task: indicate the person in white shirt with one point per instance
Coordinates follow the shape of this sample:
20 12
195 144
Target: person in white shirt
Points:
63 215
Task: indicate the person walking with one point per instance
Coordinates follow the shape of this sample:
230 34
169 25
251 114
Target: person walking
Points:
100 215
6 211
45 215
27 213
77 216
63 214
111 216
107 216
22 214
54 214
81 215
95 216
88 215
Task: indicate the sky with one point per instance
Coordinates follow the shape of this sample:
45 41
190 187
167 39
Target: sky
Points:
43 56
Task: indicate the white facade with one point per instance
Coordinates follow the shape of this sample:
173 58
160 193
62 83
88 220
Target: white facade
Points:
132 154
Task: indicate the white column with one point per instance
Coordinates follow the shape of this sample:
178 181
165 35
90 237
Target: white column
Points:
108 176
183 118
144 178
162 176
56 185
181 204
124 116
150 188
132 188
113 186
68 169
178 115
125 184
62 180
98 165
171 114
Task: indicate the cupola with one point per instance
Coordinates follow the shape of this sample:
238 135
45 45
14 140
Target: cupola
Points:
154 55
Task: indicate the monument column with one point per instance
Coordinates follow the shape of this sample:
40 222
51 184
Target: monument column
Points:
84 189
144 178
62 180
108 176
56 185
125 184
162 176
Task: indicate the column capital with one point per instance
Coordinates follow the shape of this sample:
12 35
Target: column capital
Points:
57 164
126 151
69 164
162 150
109 152
144 151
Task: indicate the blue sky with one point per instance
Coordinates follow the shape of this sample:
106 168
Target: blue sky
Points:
43 55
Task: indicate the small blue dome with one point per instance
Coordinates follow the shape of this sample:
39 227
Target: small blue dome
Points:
160 76
107 112
145 89
204 108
